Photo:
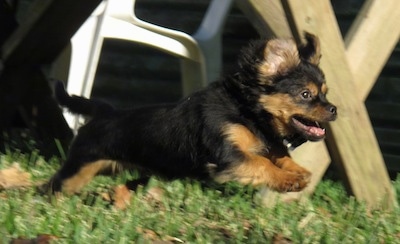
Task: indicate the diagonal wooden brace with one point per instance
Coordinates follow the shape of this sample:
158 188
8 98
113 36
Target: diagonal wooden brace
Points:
352 142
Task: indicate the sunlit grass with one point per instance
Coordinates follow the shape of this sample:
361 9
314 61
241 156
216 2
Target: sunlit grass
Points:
187 212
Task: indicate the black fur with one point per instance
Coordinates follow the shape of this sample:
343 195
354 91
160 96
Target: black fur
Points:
186 138
167 139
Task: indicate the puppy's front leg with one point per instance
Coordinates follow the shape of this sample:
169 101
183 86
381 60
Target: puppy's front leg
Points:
258 171
287 163
253 168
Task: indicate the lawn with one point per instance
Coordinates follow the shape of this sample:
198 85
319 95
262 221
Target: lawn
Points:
182 211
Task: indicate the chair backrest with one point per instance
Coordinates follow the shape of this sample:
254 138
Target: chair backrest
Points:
214 19
119 9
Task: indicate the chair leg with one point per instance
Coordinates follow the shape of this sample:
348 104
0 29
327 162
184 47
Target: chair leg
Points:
86 47
209 36
193 76
212 51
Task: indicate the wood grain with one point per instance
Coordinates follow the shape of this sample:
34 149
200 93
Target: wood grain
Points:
352 140
370 41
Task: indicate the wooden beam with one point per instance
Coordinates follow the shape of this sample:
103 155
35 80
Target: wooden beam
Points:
371 40
268 17
368 45
352 141
314 156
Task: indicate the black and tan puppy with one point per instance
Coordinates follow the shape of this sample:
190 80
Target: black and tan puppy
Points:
232 130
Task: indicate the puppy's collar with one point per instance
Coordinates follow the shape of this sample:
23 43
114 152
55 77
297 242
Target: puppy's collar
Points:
293 142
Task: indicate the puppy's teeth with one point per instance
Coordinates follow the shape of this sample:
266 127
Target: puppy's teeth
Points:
316 122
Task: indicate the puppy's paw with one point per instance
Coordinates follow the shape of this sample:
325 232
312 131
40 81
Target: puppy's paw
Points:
292 181
51 187
295 168
303 172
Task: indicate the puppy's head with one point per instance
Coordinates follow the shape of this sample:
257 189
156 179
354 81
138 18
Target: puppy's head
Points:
285 81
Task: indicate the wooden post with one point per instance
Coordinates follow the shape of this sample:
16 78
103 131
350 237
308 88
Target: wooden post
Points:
352 140
356 153
269 18
371 40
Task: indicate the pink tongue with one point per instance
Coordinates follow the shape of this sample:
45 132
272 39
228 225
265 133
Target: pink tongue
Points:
316 130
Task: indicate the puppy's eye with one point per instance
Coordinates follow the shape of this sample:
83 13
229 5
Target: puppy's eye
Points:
306 95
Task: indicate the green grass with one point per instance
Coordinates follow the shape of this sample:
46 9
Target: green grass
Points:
188 212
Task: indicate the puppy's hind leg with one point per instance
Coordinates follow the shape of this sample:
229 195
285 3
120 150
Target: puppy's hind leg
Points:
72 177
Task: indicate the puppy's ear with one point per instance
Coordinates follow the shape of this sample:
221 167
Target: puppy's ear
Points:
280 55
311 51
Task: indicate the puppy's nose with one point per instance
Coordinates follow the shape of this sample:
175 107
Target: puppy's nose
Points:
331 112
332 109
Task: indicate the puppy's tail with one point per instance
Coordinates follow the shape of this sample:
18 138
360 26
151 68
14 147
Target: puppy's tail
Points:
80 105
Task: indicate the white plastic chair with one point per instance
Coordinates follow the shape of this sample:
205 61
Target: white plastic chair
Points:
200 55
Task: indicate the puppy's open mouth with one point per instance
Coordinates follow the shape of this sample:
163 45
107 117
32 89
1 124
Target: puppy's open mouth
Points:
311 130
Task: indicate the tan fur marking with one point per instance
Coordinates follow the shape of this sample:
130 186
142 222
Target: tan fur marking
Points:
280 55
320 112
256 169
313 89
244 139
288 164
324 88
280 104
85 174
282 107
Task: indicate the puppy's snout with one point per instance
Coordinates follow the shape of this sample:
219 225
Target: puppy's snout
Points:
332 111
